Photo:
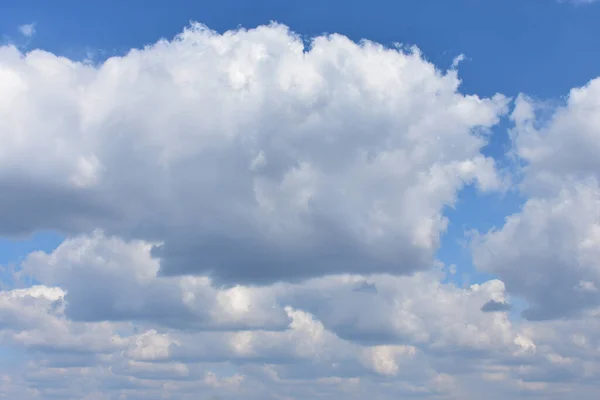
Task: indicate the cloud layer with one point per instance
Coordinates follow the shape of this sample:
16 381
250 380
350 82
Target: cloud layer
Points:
101 316
248 215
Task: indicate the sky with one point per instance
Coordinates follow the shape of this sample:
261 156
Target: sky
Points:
299 200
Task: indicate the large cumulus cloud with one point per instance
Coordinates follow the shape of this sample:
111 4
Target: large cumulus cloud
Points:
246 155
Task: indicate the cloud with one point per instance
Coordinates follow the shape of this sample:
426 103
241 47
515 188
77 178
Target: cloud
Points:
548 252
244 155
34 318
27 30
106 278
578 2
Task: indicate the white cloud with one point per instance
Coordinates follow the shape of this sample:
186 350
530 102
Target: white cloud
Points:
247 157
545 252
548 253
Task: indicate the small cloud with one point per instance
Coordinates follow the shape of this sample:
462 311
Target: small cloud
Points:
586 286
452 269
457 60
578 2
495 306
27 30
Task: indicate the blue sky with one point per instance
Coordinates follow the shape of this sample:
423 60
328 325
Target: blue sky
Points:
509 44
289 209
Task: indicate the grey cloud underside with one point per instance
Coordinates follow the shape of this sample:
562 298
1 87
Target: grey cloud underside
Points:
495 306
31 206
246 259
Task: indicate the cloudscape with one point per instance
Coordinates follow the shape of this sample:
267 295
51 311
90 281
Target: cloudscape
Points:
294 208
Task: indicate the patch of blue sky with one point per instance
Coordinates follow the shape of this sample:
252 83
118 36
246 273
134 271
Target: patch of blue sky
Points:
14 250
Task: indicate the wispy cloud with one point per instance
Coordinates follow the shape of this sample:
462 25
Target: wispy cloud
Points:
27 30
578 2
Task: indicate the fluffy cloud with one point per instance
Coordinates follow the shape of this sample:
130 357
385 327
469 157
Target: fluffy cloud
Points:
245 156
549 253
